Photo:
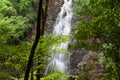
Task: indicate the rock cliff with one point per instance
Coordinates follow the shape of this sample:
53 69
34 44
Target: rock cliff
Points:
53 10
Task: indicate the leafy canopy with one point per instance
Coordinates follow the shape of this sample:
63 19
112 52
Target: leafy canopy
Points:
99 29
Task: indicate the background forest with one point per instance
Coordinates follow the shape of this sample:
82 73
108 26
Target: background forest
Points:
16 20
97 30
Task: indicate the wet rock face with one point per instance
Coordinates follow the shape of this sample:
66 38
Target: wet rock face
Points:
87 64
53 10
75 59
97 70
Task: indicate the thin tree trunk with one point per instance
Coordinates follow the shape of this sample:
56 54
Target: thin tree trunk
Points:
32 75
44 15
39 72
37 37
32 71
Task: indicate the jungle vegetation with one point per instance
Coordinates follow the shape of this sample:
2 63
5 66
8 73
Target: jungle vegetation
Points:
21 59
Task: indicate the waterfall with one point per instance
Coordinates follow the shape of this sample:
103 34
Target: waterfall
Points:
60 62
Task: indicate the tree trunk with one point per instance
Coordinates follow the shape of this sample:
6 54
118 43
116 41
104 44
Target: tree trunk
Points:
37 37
44 17
39 73
32 75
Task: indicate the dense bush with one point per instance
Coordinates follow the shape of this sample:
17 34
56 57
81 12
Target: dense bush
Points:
15 21
99 30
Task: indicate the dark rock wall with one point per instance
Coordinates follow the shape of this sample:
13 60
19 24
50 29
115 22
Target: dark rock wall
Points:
75 59
53 10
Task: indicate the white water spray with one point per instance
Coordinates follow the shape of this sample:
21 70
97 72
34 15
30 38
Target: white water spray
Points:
60 62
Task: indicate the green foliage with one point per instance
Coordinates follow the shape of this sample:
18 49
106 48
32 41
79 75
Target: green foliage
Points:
56 76
13 29
4 76
47 42
14 51
7 8
15 23
26 9
13 59
15 20
46 47
23 8
84 71
99 29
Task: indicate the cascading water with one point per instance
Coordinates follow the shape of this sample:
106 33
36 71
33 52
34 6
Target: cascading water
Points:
60 62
